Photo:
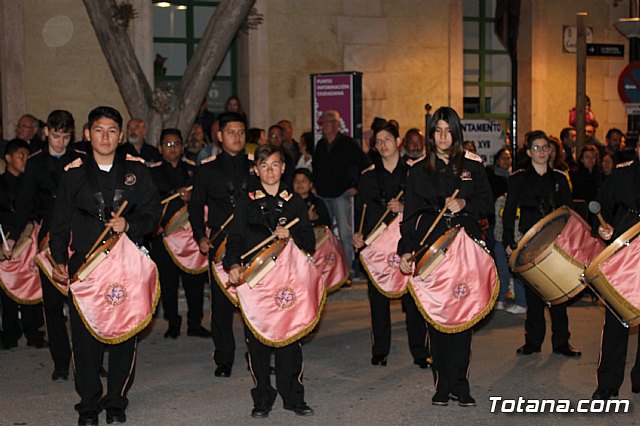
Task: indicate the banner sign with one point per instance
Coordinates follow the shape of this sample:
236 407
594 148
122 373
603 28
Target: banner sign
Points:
489 137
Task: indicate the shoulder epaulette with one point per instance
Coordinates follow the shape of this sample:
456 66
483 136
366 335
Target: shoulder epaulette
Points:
251 157
285 195
203 161
130 157
189 161
35 153
74 164
154 165
79 151
625 164
257 194
411 161
517 171
368 169
471 156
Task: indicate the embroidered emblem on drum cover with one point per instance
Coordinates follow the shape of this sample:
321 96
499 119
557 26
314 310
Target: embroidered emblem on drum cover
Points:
285 298
461 291
330 258
129 179
393 260
115 294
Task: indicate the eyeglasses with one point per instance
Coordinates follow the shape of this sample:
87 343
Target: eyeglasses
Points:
172 144
536 148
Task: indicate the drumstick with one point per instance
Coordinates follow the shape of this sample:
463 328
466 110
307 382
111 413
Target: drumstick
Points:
386 212
4 239
269 239
364 210
431 228
176 195
53 263
226 222
106 230
595 208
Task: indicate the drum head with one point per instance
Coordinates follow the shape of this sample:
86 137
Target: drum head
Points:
263 260
179 220
544 234
322 233
434 254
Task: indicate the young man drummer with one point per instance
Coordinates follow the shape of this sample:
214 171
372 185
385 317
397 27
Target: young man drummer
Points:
258 215
620 201
538 191
91 194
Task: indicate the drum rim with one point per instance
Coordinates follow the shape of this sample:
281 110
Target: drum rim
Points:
325 237
263 255
107 245
181 211
593 269
530 234
217 254
438 245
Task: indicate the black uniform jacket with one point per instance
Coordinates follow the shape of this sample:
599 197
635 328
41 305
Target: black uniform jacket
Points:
536 196
324 219
9 190
86 198
337 165
218 185
39 188
425 195
256 217
376 188
169 180
619 197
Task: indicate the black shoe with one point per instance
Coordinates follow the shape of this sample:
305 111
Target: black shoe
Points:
635 389
567 350
260 413
423 362
379 360
172 332
8 344
439 399
463 401
88 419
198 332
116 417
300 410
603 394
222 371
60 375
528 349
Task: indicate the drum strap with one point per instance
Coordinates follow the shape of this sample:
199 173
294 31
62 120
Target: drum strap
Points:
119 170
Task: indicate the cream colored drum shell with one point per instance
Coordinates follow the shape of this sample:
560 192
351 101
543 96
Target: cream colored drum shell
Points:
629 314
435 253
180 219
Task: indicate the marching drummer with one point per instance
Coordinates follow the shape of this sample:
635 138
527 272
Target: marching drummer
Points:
378 189
430 185
91 194
172 176
620 201
217 185
538 191
262 213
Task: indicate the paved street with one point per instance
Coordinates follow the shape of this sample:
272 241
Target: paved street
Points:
174 383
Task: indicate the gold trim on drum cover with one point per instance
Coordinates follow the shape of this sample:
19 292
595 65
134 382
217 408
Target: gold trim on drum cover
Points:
234 301
43 269
17 299
129 334
180 265
299 335
390 295
619 298
337 286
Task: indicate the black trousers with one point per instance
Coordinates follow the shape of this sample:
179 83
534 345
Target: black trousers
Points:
13 327
451 355
535 325
613 355
381 324
221 322
87 359
59 346
288 372
170 276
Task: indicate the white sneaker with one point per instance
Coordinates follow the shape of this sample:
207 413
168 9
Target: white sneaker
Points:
500 306
516 309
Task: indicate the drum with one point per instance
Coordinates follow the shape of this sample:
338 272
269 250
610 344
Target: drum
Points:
322 234
456 283
23 242
262 263
19 276
552 255
329 259
179 220
118 292
615 276
47 268
220 251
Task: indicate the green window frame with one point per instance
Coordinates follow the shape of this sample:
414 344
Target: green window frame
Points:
480 14
189 42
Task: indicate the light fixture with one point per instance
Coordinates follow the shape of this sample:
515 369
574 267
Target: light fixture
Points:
163 4
181 7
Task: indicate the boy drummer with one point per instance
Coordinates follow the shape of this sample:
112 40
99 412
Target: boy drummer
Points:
262 213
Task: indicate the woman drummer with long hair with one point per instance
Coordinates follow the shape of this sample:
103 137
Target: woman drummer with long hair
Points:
430 186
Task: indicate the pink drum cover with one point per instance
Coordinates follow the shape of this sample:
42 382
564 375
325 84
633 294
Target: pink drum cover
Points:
286 304
576 240
116 301
185 252
382 263
461 290
19 277
47 269
222 278
330 261
622 272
